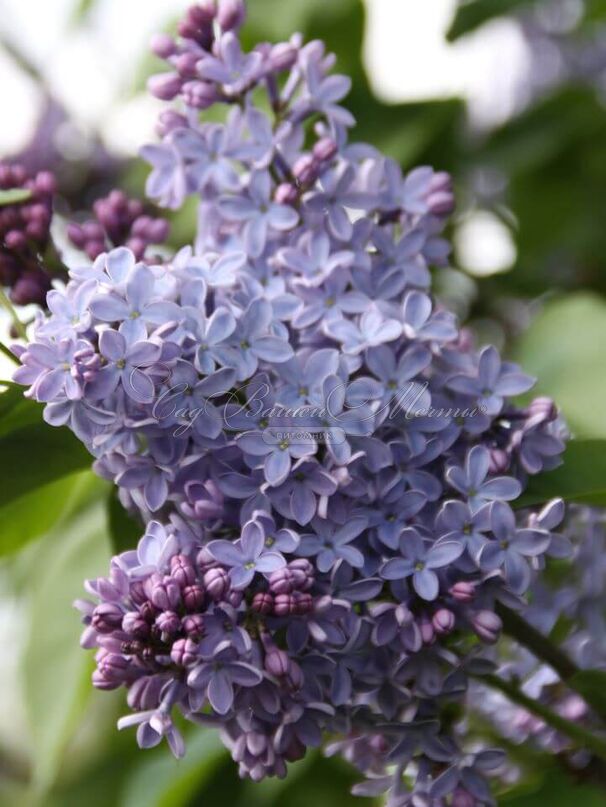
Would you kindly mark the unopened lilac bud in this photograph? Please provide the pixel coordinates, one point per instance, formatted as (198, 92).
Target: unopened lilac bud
(231, 14)
(216, 583)
(487, 625)
(286, 194)
(305, 169)
(542, 408)
(282, 56)
(443, 621)
(114, 668)
(15, 240)
(262, 603)
(182, 570)
(185, 64)
(303, 574)
(163, 45)
(498, 461)
(325, 149)
(193, 625)
(166, 595)
(282, 581)
(135, 625)
(101, 682)
(193, 597)
(463, 591)
(168, 121)
(277, 662)
(148, 611)
(168, 623)
(234, 598)
(184, 652)
(199, 94)
(46, 183)
(440, 197)
(428, 634)
(462, 798)
(137, 592)
(107, 617)
(165, 86)
(204, 560)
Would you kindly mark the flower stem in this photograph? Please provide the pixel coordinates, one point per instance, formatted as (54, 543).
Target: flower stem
(538, 644)
(8, 353)
(6, 303)
(575, 732)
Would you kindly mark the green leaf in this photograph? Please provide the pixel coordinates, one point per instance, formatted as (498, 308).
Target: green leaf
(55, 668)
(557, 790)
(37, 454)
(31, 516)
(475, 13)
(564, 349)
(161, 781)
(581, 477)
(592, 686)
(124, 530)
(14, 196)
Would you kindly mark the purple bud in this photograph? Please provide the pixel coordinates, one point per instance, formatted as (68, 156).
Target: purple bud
(543, 409)
(282, 56)
(168, 623)
(107, 617)
(262, 603)
(305, 169)
(163, 45)
(463, 591)
(499, 461)
(427, 631)
(277, 662)
(199, 94)
(325, 149)
(487, 625)
(135, 625)
(182, 570)
(114, 668)
(184, 652)
(440, 197)
(165, 86)
(168, 121)
(462, 798)
(166, 594)
(286, 194)
(193, 597)
(193, 625)
(443, 621)
(216, 583)
(231, 14)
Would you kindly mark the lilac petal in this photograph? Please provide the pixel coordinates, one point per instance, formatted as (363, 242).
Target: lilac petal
(109, 308)
(241, 577)
(252, 540)
(221, 324)
(282, 217)
(225, 552)
(253, 443)
(272, 349)
(502, 487)
(220, 692)
(351, 555)
(244, 674)
(255, 236)
(147, 737)
(477, 466)
(269, 562)
(112, 345)
(445, 783)
(531, 542)
(138, 386)
(302, 505)
(442, 554)
(426, 584)
(277, 467)
(396, 569)
(50, 385)
(156, 491)
(138, 287)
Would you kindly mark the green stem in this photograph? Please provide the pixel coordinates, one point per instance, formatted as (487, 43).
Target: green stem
(6, 303)
(538, 644)
(8, 353)
(575, 732)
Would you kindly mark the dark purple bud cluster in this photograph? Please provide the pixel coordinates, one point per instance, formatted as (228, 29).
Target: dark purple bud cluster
(24, 233)
(119, 221)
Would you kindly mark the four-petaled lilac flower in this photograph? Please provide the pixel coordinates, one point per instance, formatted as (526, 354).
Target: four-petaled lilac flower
(511, 547)
(373, 329)
(217, 675)
(456, 521)
(471, 480)
(421, 322)
(296, 498)
(231, 68)
(258, 213)
(124, 366)
(329, 544)
(138, 307)
(495, 380)
(420, 560)
(313, 259)
(247, 556)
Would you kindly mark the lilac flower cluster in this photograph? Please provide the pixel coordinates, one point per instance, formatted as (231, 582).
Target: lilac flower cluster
(119, 221)
(324, 464)
(24, 232)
